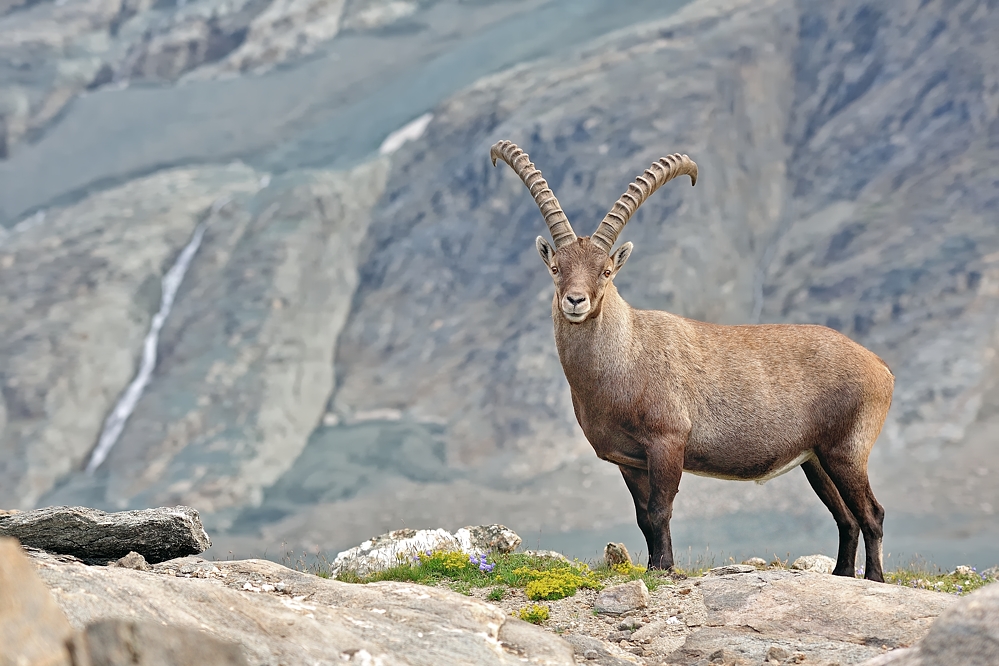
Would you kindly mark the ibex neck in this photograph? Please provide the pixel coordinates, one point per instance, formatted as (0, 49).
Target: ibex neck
(597, 346)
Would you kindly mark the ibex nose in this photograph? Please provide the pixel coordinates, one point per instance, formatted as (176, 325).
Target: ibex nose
(575, 306)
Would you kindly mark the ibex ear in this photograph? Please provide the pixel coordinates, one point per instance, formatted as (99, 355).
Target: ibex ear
(545, 250)
(621, 255)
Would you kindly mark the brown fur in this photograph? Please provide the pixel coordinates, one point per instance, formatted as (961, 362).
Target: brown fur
(659, 394)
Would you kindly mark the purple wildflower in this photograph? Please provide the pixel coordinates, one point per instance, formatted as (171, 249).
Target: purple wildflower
(481, 562)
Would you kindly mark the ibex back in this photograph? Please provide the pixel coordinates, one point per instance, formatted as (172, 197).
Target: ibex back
(659, 394)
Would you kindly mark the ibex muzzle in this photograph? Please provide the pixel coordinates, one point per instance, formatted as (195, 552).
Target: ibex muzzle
(660, 394)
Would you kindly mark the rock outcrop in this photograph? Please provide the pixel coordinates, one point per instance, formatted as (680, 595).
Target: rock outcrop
(623, 598)
(153, 534)
(277, 615)
(388, 550)
(33, 630)
(256, 612)
(746, 619)
(826, 618)
(966, 633)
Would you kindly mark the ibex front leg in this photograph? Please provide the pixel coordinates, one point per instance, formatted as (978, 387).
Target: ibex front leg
(665, 457)
(637, 480)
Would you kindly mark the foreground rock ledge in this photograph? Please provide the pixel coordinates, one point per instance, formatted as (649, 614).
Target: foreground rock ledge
(967, 633)
(281, 616)
(278, 615)
(826, 619)
(92, 535)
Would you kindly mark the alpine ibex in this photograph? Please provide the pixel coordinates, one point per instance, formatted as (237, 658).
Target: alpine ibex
(659, 394)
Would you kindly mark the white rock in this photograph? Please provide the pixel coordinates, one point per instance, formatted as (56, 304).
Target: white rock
(400, 546)
(391, 549)
(547, 553)
(816, 563)
(478, 539)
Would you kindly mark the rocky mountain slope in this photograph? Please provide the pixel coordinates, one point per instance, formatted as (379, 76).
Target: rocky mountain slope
(366, 341)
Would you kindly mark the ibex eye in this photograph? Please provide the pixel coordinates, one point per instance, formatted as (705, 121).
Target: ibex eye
(607, 273)
(554, 270)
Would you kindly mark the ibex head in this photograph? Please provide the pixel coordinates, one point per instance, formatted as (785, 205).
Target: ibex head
(583, 267)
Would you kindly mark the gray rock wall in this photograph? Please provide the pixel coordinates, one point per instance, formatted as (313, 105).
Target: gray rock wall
(246, 363)
(78, 288)
(352, 346)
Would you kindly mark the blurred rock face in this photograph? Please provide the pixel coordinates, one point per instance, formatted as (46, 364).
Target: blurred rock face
(52, 51)
(847, 175)
(390, 324)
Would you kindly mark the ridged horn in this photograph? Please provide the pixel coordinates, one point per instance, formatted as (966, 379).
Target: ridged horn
(657, 175)
(520, 162)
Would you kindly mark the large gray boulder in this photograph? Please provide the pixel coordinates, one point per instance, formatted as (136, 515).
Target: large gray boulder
(33, 630)
(90, 534)
(825, 618)
(278, 615)
(967, 634)
(119, 642)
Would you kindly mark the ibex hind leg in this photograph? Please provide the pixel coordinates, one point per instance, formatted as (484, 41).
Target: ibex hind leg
(849, 528)
(846, 465)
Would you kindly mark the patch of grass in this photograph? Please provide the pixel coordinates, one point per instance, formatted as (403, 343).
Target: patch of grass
(921, 576)
(624, 572)
(541, 577)
(535, 614)
(546, 578)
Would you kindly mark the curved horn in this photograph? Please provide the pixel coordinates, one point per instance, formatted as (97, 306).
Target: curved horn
(520, 162)
(657, 175)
